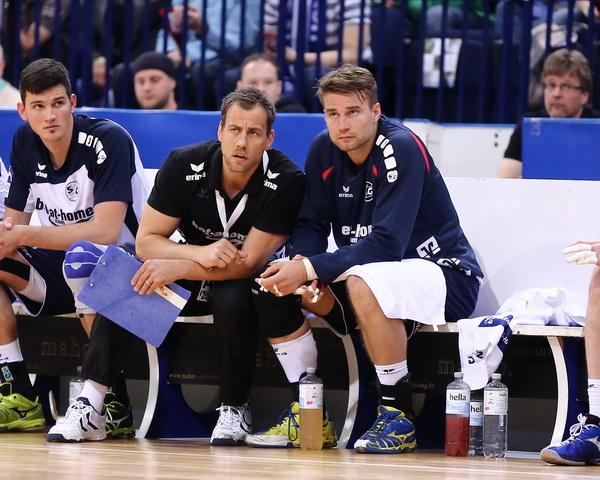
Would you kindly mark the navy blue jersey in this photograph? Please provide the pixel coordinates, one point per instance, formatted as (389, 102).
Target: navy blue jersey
(393, 206)
(102, 165)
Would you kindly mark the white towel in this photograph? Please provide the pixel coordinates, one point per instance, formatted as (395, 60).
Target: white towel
(543, 306)
(482, 340)
(481, 344)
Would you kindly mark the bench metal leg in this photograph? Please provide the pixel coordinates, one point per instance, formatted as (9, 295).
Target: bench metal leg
(562, 382)
(353, 389)
(167, 414)
(153, 379)
(566, 361)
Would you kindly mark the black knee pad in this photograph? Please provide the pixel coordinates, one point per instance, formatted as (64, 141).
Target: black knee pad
(277, 316)
(230, 297)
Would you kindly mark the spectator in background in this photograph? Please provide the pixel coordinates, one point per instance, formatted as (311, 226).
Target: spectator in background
(47, 28)
(154, 81)
(261, 71)
(567, 82)
(350, 34)
(138, 21)
(9, 95)
(206, 33)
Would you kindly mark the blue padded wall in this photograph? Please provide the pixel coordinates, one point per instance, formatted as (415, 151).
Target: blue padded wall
(157, 133)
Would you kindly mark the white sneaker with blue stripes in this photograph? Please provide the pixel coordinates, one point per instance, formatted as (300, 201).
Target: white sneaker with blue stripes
(82, 422)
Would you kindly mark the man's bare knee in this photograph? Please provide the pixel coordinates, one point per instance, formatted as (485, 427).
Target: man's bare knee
(357, 288)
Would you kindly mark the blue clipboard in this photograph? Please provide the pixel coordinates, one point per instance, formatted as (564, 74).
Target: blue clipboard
(109, 292)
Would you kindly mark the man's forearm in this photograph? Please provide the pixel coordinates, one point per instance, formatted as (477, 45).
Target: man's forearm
(157, 246)
(191, 270)
(61, 237)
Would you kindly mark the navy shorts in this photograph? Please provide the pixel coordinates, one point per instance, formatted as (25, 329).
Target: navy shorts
(58, 297)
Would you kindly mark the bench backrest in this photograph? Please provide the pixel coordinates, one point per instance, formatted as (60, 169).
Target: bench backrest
(518, 229)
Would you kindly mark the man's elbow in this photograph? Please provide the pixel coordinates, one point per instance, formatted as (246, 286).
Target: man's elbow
(141, 247)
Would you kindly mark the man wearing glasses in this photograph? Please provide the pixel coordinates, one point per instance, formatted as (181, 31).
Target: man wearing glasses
(567, 83)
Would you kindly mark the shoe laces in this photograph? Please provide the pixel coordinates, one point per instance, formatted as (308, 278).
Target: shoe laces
(578, 428)
(230, 417)
(75, 410)
(292, 424)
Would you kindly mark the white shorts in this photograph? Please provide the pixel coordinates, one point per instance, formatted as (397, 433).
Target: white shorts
(413, 289)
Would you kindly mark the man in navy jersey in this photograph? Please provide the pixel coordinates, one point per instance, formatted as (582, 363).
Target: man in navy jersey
(402, 256)
(83, 178)
(235, 202)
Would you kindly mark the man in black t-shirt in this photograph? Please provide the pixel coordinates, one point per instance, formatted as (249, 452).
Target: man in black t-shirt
(235, 202)
(567, 83)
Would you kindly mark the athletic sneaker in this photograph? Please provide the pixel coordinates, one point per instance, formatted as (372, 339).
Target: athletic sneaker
(233, 425)
(392, 432)
(286, 432)
(81, 422)
(18, 413)
(581, 448)
(119, 419)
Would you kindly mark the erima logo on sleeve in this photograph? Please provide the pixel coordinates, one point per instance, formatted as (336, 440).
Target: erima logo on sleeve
(95, 143)
(388, 158)
(198, 172)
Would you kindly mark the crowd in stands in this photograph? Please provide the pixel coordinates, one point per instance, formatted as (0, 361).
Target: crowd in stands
(208, 41)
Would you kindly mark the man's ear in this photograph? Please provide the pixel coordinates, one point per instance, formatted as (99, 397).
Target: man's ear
(270, 139)
(220, 130)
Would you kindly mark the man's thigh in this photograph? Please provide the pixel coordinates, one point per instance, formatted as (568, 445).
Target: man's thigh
(412, 289)
(46, 283)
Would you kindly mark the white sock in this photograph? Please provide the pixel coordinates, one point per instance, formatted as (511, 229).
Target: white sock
(594, 396)
(95, 393)
(390, 374)
(297, 355)
(11, 352)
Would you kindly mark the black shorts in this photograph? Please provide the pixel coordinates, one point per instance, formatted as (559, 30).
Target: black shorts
(58, 297)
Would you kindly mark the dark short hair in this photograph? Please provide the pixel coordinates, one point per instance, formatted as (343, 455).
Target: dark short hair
(154, 61)
(42, 74)
(564, 61)
(248, 98)
(349, 79)
(265, 57)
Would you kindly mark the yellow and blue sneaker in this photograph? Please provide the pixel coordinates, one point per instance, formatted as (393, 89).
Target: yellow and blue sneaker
(581, 448)
(286, 432)
(392, 432)
(19, 413)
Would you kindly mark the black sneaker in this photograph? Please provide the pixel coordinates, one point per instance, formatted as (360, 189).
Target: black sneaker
(119, 419)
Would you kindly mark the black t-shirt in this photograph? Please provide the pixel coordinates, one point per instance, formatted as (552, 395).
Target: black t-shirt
(515, 144)
(186, 186)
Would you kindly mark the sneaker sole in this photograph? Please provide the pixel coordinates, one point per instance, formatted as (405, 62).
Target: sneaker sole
(550, 456)
(23, 425)
(227, 442)
(406, 449)
(120, 433)
(58, 438)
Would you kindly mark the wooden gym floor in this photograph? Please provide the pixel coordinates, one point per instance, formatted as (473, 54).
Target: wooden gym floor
(29, 456)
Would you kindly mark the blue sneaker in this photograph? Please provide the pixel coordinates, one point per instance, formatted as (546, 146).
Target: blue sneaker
(581, 448)
(392, 432)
